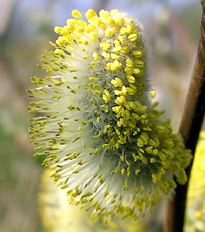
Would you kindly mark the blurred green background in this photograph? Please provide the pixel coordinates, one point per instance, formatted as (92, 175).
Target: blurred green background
(26, 27)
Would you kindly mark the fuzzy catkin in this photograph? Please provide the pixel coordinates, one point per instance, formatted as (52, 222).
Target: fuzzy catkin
(100, 130)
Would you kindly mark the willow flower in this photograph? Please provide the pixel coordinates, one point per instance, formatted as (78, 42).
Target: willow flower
(196, 192)
(60, 216)
(100, 129)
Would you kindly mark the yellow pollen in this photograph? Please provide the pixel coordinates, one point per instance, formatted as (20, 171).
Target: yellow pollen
(90, 14)
(95, 56)
(105, 46)
(93, 36)
(106, 55)
(90, 28)
(106, 96)
(120, 100)
(117, 82)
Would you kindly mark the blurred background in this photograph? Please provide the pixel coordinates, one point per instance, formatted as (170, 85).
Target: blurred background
(26, 27)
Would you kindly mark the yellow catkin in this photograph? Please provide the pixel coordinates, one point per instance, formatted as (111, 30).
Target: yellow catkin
(98, 125)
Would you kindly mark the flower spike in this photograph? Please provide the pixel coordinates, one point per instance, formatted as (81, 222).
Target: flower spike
(196, 191)
(99, 129)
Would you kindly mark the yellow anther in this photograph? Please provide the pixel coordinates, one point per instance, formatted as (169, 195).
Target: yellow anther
(133, 37)
(129, 21)
(90, 28)
(93, 18)
(149, 149)
(123, 31)
(121, 39)
(120, 122)
(152, 160)
(140, 142)
(117, 82)
(80, 29)
(58, 30)
(161, 129)
(125, 50)
(82, 23)
(131, 79)
(141, 109)
(129, 70)
(137, 172)
(123, 171)
(129, 105)
(103, 26)
(114, 11)
(168, 143)
(70, 28)
(139, 63)
(114, 56)
(152, 95)
(122, 139)
(106, 96)
(92, 78)
(105, 46)
(110, 31)
(116, 43)
(120, 100)
(85, 42)
(132, 89)
(154, 178)
(137, 54)
(93, 36)
(162, 156)
(144, 137)
(105, 146)
(71, 21)
(127, 114)
(85, 57)
(110, 21)
(97, 92)
(113, 66)
(116, 49)
(117, 64)
(116, 109)
(129, 62)
(123, 92)
(130, 29)
(106, 55)
(104, 14)
(136, 71)
(76, 14)
(90, 14)
(95, 56)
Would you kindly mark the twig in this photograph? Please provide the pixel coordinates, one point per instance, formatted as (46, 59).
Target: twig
(189, 132)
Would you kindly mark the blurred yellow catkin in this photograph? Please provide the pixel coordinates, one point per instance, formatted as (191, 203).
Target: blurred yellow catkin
(196, 192)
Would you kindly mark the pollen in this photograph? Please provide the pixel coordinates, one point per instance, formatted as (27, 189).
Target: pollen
(76, 14)
(110, 148)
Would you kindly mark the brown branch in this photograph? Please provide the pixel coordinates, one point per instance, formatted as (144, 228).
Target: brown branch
(189, 132)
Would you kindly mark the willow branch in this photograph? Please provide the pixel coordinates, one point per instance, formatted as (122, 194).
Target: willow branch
(189, 131)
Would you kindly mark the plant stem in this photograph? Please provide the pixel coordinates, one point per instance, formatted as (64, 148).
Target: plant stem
(189, 132)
